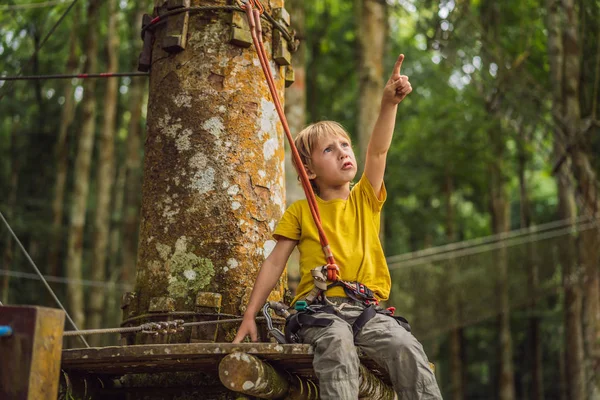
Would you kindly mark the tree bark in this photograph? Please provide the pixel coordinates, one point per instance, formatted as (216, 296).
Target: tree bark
(574, 351)
(62, 156)
(82, 172)
(105, 176)
(213, 185)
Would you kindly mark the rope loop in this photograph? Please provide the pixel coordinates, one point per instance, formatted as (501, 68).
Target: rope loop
(252, 3)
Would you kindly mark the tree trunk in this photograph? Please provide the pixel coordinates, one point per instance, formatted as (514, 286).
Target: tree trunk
(586, 189)
(213, 185)
(295, 99)
(133, 174)
(534, 356)
(575, 375)
(13, 185)
(105, 177)
(372, 33)
(62, 157)
(82, 172)
(500, 211)
(457, 375)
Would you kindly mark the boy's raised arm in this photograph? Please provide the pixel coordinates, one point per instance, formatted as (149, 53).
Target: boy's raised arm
(396, 89)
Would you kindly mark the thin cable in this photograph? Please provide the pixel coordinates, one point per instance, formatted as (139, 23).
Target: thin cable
(485, 240)
(534, 237)
(40, 275)
(71, 76)
(33, 5)
(7, 88)
(67, 281)
(148, 327)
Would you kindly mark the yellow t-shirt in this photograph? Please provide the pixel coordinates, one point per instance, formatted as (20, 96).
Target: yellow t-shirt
(352, 228)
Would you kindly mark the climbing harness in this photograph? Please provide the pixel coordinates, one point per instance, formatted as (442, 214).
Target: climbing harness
(302, 315)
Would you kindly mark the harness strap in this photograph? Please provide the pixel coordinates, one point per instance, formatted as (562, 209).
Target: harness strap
(356, 291)
(295, 322)
(367, 314)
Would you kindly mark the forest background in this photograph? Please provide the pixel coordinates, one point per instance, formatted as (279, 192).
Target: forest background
(490, 226)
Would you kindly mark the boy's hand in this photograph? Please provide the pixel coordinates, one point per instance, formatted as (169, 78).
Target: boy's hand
(398, 86)
(248, 327)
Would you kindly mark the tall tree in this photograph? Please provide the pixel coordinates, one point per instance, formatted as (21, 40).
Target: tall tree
(82, 170)
(499, 204)
(133, 165)
(457, 376)
(534, 346)
(587, 183)
(105, 174)
(574, 348)
(62, 154)
(372, 33)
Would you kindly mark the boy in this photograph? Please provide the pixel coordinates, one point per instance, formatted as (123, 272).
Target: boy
(350, 218)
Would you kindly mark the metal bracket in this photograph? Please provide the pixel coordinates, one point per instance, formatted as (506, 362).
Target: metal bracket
(281, 53)
(177, 27)
(240, 30)
(145, 59)
(290, 76)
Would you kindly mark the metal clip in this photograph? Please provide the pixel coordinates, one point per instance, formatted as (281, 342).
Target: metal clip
(277, 334)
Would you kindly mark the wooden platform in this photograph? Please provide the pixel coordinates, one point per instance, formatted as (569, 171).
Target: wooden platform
(197, 357)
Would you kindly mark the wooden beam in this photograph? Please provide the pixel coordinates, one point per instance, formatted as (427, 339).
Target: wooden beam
(31, 355)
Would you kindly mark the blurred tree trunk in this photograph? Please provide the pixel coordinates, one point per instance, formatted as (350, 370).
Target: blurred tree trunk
(534, 358)
(62, 156)
(372, 34)
(11, 202)
(295, 99)
(85, 149)
(574, 352)
(587, 190)
(133, 167)
(105, 177)
(499, 205)
(457, 375)
(500, 213)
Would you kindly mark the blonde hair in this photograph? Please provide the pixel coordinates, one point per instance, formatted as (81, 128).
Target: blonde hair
(307, 139)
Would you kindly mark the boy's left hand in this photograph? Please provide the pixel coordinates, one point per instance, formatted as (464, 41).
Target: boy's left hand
(398, 86)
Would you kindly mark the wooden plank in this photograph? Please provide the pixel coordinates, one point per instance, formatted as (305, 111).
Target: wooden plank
(200, 357)
(31, 355)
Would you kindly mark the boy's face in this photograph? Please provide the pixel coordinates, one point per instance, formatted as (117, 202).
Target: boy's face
(332, 162)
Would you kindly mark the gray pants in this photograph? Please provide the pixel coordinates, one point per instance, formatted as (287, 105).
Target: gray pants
(383, 340)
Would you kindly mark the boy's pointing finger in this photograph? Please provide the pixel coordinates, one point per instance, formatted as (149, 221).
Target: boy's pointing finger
(398, 66)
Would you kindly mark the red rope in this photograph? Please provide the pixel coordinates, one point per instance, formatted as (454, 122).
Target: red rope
(256, 31)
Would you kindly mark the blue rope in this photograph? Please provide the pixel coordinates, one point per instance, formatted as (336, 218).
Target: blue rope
(5, 330)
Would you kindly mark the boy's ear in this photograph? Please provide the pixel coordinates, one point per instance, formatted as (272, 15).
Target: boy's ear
(311, 175)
